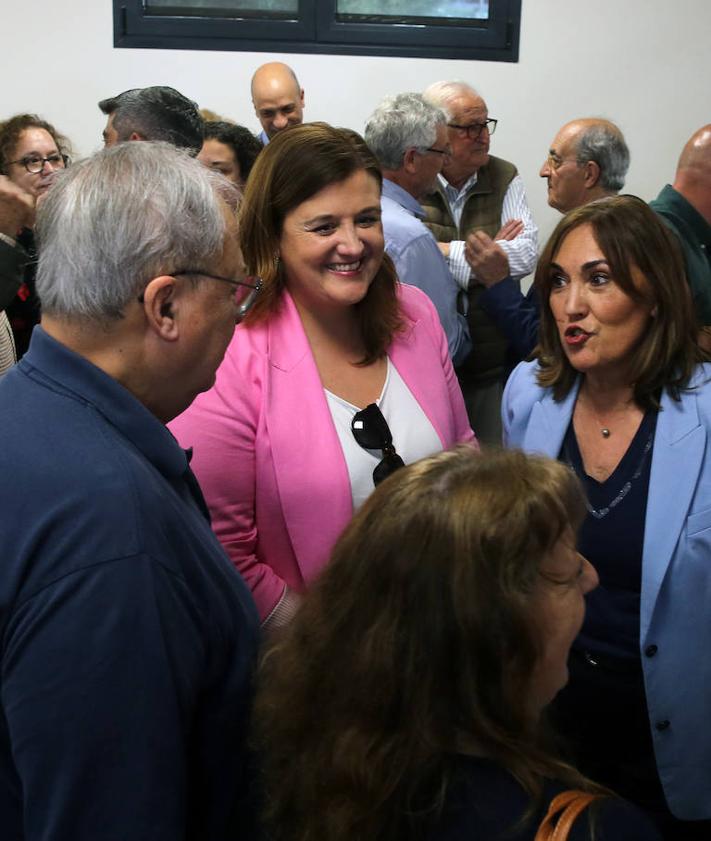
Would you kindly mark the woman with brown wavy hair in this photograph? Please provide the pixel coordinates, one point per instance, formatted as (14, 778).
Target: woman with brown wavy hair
(621, 393)
(337, 375)
(404, 700)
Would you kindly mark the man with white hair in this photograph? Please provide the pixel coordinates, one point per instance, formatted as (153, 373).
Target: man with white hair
(478, 192)
(128, 637)
(409, 139)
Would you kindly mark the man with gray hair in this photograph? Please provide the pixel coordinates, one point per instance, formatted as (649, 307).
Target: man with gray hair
(587, 160)
(409, 139)
(155, 113)
(482, 194)
(128, 637)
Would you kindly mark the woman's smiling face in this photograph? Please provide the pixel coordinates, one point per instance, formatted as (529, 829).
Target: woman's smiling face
(331, 245)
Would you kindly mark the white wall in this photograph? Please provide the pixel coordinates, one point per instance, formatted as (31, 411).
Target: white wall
(644, 63)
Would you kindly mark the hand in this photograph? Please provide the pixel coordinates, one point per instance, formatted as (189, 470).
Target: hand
(510, 230)
(17, 208)
(487, 260)
(444, 248)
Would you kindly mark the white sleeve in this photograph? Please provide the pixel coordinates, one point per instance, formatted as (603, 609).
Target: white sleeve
(522, 251)
(458, 265)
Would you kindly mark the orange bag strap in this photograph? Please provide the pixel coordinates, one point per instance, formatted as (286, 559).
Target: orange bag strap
(569, 804)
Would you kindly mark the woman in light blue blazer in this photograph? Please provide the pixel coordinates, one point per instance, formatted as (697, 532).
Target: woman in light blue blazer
(621, 393)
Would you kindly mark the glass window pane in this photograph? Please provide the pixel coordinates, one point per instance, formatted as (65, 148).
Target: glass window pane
(224, 8)
(408, 9)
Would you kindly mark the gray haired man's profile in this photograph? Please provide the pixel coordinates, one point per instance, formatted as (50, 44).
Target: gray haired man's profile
(155, 113)
(128, 636)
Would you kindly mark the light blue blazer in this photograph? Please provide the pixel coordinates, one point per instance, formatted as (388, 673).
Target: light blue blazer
(676, 571)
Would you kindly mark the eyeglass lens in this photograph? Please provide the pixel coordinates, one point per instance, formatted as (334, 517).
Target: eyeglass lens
(35, 163)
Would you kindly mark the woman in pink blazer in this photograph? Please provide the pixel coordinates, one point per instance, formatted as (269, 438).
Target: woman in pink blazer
(277, 443)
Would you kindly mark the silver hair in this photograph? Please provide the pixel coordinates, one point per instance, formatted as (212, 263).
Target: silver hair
(605, 144)
(114, 221)
(400, 123)
(441, 94)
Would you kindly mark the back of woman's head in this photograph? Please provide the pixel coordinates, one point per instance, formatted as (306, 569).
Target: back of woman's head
(296, 164)
(11, 130)
(417, 642)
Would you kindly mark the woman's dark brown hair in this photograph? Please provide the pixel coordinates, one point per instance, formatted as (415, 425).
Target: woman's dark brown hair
(417, 643)
(11, 130)
(294, 166)
(630, 235)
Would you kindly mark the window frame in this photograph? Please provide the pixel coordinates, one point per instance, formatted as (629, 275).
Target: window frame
(317, 31)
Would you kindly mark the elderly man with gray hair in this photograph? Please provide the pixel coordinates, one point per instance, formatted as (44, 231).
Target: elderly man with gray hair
(409, 139)
(587, 160)
(128, 637)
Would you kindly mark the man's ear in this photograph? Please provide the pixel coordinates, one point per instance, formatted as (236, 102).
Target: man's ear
(592, 173)
(159, 306)
(409, 160)
(136, 136)
(302, 97)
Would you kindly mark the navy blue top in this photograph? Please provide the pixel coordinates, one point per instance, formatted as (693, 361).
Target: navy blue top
(612, 539)
(485, 802)
(516, 315)
(128, 638)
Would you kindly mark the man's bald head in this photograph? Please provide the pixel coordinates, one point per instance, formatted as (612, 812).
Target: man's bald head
(277, 96)
(693, 174)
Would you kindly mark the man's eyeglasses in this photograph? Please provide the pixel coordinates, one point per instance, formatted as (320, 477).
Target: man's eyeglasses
(34, 164)
(474, 130)
(371, 431)
(554, 162)
(246, 291)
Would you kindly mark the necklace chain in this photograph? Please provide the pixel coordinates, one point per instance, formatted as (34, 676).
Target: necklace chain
(599, 513)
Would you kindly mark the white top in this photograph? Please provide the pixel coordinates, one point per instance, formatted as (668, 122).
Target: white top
(414, 437)
(522, 251)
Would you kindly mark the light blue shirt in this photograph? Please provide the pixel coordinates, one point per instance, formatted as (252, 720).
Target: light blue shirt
(420, 263)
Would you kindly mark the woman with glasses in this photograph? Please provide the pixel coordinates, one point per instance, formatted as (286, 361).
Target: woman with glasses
(337, 375)
(620, 392)
(31, 152)
(405, 700)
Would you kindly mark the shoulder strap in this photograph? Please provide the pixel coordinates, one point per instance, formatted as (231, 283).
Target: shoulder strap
(569, 804)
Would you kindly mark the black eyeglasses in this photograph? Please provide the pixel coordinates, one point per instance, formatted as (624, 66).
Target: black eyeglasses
(371, 431)
(245, 291)
(34, 164)
(474, 130)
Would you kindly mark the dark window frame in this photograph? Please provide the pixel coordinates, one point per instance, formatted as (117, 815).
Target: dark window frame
(316, 30)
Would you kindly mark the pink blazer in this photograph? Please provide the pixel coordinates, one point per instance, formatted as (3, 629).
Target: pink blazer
(267, 454)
